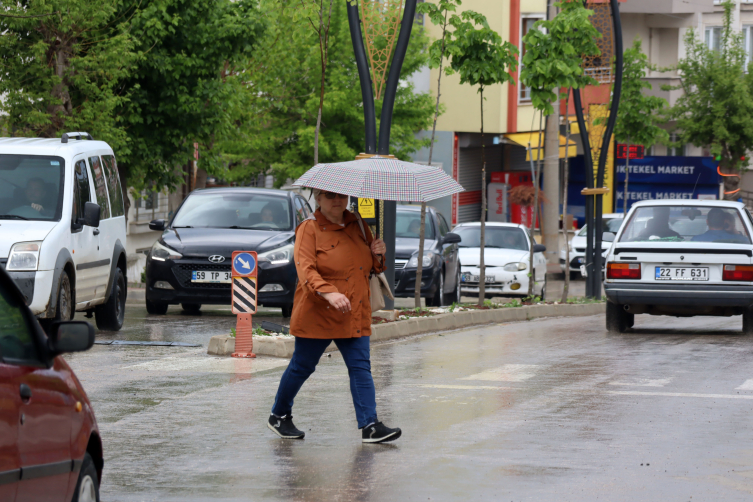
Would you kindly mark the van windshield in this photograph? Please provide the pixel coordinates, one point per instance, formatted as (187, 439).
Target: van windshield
(686, 223)
(31, 187)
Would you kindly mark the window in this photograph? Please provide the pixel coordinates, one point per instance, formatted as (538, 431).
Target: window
(526, 24)
(676, 150)
(235, 210)
(31, 186)
(443, 227)
(494, 237)
(113, 185)
(81, 193)
(408, 225)
(686, 223)
(300, 212)
(16, 335)
(100, 187)
(713, 37)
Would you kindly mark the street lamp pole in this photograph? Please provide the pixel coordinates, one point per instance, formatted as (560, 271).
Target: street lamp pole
(388, 104)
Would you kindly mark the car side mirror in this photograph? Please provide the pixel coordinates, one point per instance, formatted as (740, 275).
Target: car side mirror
(451, 238)
(608, 236)
(157, 225)
(91, 215)
(70, 336)
(539, 248)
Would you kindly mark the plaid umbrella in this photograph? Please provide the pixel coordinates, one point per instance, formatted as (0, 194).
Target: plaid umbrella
(381, 178)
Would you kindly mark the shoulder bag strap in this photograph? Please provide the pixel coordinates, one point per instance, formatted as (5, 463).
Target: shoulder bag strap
(363, 231)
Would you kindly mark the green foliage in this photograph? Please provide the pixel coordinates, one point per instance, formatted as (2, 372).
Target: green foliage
(554, 54)
(62, 63)
(639, 114)
(477, 53)
(439, 14)
(276, 134)
(188, 85)
(716, 108)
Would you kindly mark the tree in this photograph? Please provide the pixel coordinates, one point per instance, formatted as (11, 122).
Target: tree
(280, 92)
(62, 64)
(553, 59)
(716, 108)
(439, 14)
(186, 87)
(479, 56)
(638, 115)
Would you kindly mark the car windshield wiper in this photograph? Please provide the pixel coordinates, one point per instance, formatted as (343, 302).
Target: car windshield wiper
(12, 217)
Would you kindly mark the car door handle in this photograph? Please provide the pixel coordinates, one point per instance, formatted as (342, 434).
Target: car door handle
(25, 392)
(96, 231)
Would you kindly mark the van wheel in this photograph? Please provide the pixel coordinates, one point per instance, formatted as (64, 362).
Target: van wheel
(64, 309)
(748, 321)
(87, 486)
(110, 314)
(193, 308)
(156, 308)
(617, 318)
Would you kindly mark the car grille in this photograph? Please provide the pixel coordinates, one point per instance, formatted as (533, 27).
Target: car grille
(580, 250)
(184, 272)
(400, 263)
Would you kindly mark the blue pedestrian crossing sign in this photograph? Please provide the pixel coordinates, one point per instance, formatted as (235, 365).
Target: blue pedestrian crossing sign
(244, 264)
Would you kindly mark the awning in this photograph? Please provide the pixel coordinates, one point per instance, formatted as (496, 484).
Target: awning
(525, 138)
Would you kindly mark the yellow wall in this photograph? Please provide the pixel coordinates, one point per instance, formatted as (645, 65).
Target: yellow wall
(462, 102)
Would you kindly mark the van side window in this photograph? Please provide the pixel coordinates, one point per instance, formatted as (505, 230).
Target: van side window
(300, 212)
(81, 193)
(100, 187)
(117, 208)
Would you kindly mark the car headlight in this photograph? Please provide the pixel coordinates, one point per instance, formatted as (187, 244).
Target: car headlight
(570, 246)
(278, 256)
(160, 252)
(515, 267)
(24, 256)
(426, 262)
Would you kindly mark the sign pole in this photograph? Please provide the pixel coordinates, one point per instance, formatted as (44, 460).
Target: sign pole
(243, 301)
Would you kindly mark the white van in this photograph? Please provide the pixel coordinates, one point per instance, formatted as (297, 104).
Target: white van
(62, 227)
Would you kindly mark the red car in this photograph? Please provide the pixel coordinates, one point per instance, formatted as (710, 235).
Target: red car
(50, 448)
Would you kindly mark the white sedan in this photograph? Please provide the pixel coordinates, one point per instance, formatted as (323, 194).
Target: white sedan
(681, 258)
(611, 223)
(506, 255)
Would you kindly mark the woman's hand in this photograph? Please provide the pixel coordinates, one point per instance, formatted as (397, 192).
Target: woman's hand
(378, 246)
(338, 300)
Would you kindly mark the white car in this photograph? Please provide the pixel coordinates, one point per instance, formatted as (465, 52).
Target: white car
(611, 223)
(681, 258)
(506, 255)
(62, 226)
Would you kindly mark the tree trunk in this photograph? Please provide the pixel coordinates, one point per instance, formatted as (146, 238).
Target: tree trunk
(565, 222)
(482, 237)
(731, 180)
(422, 231)
(323, 50)
(627, 175)
(537, 174)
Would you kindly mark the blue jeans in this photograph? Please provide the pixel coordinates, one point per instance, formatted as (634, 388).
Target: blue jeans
(308, 351)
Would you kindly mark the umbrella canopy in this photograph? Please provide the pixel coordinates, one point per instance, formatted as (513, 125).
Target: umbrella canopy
(381, 178)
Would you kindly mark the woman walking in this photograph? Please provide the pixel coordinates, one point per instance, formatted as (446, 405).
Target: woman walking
(334, 259)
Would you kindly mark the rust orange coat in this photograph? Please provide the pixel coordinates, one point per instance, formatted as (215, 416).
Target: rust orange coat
(331, 258)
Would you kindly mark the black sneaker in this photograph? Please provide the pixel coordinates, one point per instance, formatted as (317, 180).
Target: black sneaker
(379, 433)
(283, 427)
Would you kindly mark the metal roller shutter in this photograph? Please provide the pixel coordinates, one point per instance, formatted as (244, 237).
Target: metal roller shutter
(469, 177)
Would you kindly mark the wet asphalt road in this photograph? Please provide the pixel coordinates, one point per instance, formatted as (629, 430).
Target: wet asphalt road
(553, 409)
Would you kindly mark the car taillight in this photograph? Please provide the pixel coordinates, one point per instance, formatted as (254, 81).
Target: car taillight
(738, 273)
(623, 270)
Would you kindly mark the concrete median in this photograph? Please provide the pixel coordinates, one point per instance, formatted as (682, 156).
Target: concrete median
(224, 345)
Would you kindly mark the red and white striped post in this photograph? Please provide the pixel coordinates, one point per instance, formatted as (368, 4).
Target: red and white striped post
(243, 300)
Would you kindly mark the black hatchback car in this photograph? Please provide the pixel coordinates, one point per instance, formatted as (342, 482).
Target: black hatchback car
(190, 263)
(440, 278)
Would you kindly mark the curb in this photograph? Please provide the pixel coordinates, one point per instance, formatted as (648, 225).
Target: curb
(224, 345)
